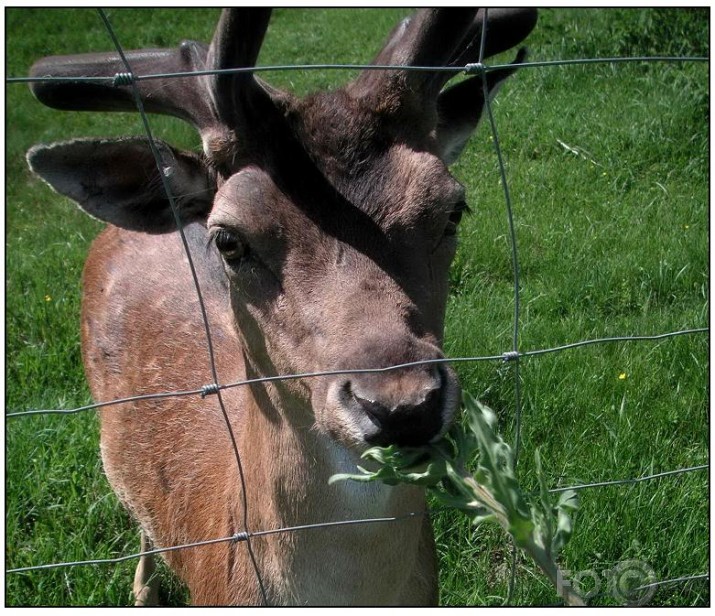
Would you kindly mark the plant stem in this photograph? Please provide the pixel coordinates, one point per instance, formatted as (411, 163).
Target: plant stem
(553, 572)
(537, 552)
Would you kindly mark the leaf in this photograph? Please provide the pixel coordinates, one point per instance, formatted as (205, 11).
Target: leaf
(566, 507)
(343, 476)
(432, 475)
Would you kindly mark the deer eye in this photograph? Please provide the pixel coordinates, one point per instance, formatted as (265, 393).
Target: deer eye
(230, 245)
(455, 218)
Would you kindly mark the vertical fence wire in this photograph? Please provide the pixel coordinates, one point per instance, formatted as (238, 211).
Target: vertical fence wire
(197, 287)
(517, 285)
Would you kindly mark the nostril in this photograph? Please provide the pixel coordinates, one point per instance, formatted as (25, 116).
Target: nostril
(378, 413)
(433, 398)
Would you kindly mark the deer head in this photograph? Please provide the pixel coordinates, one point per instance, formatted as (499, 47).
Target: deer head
(335, 215)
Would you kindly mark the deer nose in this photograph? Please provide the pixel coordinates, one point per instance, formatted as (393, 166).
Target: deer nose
(389, 413)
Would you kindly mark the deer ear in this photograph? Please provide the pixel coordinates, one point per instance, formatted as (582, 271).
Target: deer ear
(460, 107)
(118, 181)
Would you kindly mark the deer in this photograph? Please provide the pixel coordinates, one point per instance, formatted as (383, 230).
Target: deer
(321, 231)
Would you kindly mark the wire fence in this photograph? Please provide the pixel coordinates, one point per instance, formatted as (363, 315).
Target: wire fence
(512, 357)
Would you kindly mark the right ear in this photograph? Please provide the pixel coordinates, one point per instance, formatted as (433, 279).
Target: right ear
(118, 181)
(460, 107)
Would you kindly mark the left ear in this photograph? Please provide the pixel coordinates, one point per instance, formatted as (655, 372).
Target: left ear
(460, 108)
(117, 181)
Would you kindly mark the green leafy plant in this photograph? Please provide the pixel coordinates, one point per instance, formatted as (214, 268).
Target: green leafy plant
(540, 528)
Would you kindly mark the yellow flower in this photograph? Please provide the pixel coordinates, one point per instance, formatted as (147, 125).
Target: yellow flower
(48, 298)
(622, 376)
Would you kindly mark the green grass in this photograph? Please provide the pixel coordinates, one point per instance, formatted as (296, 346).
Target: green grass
(612, 240)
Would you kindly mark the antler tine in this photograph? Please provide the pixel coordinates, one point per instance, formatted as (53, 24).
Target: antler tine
(506, 28)
(438, 37)
(430, 37)
(427, 38)
(236, 44)
(180, 97)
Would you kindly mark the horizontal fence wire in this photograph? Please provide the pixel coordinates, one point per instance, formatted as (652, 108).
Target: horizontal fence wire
(508, 356)
(698, 577)
(680, 580)
(242, 536)
(620, 482)
(318, 525)
(120, 79)
(129, 79)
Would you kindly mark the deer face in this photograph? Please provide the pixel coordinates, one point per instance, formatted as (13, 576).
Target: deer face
(344, 265)
(335, 216)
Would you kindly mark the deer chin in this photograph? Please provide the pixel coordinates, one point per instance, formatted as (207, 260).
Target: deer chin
(350, 419)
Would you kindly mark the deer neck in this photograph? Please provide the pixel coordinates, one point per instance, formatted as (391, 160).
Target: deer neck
(298, 461)
(291, 489)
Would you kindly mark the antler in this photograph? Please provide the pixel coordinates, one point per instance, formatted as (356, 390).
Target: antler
(177, 97)
(236, 43)
(219, 106)
(506, 28)
(441, 37)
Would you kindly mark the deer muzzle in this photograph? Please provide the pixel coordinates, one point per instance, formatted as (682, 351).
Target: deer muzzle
(407, 406)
